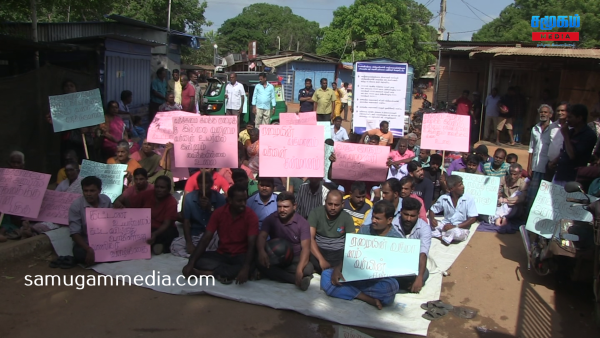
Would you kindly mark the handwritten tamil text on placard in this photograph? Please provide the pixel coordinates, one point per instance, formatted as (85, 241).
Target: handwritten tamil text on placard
(354, 161)
(22, 191)
(484, 190)
(293, 151)
(443, 131)
(112, 176)
(119, 234)
(161, 128)
(55, 207)
(205, 141)
(550, 206)
(369, 257)
(76, 110)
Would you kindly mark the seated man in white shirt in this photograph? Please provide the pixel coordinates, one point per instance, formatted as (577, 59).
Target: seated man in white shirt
(338, 133)
(459, 210)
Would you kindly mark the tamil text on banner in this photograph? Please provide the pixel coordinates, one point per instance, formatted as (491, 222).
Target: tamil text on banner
(118, 234)
(112, 176)
(291, 151)
(370, 257)
(55, 207)
(76, 110)
(360, 162)
(22, 192)
(379, 95)
(326, 128)
(550, 206)
(161, 128)
(205, 141)
(484, 190)
(443, 131)
(305, 119)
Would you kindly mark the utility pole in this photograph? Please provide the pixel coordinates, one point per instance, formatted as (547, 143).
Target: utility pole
(447, 36)
(441, 29)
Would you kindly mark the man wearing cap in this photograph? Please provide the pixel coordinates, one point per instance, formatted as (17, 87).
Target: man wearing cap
(482, 152)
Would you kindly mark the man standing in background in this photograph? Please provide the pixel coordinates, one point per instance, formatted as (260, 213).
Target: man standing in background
(263, 101)
(305, 97)
(197, 88)
(175, 86)
(234, 96)
(324, 100)
(492, 117)
(344, 91)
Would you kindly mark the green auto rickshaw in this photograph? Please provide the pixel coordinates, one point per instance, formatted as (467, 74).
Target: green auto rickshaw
(213, 100)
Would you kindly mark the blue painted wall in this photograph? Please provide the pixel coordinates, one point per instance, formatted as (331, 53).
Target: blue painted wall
(311, 70)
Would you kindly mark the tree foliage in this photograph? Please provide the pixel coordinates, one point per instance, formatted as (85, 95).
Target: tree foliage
(202, 56)
(514, 22)
(264, 22)
(186, 15)
(392, 29)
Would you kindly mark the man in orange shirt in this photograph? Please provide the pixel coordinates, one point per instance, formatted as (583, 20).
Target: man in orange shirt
(386, 138)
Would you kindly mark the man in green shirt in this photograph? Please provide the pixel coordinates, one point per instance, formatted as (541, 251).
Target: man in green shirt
(328, 227)
(324, 99)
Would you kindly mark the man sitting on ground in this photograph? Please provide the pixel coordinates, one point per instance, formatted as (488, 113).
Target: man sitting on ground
(459, 210)
(498, 167)
(198, 207)
(394, 190)
(92, 198)
(328, 227)
(384, 133)
(286, 224)
(219, 183)
(140, 184)
(423, 186)
(435, 174)
(411, 226)
(163, 214)
(357, 205)
(377, 292)
(513, 194)
(472, 165)
(237, 226)
(400, 156)
(311, 195)
(265, 202)
(514, 158)
(70, 156)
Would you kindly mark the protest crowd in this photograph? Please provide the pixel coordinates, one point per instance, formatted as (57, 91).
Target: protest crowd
(239, 226)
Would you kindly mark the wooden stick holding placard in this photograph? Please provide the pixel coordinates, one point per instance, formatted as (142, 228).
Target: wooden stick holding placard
(443, 159)
(87, 155)
(287, 186)
(203, 184)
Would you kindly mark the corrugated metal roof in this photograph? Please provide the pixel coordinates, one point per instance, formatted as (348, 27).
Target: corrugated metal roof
(280, 61)
(548, 52)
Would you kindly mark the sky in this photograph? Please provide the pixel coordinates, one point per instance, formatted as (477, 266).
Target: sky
(461, 20)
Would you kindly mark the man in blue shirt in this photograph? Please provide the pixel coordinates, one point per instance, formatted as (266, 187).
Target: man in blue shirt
(265, 202)
(305, 97)
(263, 101)
(459, 210)
(158, 92)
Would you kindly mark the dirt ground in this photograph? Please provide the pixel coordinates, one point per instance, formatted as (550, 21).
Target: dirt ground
(490, 275)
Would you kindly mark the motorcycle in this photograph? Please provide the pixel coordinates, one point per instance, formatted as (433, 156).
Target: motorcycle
(578, 240)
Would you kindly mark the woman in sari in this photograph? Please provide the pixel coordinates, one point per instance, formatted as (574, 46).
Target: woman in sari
(252, 146)
(156, 163)
(338, 101)
(113, 130)
(72, 183)
(122, 157)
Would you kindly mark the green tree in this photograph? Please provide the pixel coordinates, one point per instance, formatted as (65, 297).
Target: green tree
(514, 22)
(393, 29)
(264, 23)
(202, 56)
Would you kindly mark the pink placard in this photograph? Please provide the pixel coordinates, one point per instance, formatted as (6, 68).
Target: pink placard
(443, 131)
(22, 192)
(55, 207)
(360, 162)
(304, 119)
(119, 234)
(161, 128)
(291, 151)
(205, 141)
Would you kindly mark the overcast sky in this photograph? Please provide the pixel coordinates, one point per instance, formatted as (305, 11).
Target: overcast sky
(460, 21)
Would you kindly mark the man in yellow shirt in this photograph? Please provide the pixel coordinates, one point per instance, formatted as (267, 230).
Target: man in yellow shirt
(244, 136)
(324, 99)
(357, 205)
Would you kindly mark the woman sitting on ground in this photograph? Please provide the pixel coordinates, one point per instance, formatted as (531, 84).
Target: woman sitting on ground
(73, 182)
(112, 130)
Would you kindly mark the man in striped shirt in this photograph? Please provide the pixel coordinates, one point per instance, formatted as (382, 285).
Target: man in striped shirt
(498, 168)
(357, 205)
(328, 227)
(311, 195)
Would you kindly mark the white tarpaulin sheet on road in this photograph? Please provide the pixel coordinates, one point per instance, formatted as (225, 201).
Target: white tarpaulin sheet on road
(404, 316)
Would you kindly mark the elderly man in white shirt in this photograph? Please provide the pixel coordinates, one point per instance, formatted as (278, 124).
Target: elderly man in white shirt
(459, 210)
(539, 145)
(234, 96)
(556, 139)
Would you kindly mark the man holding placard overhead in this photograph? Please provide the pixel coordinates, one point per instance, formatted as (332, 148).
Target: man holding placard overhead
(377, 292)
(459, 210)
